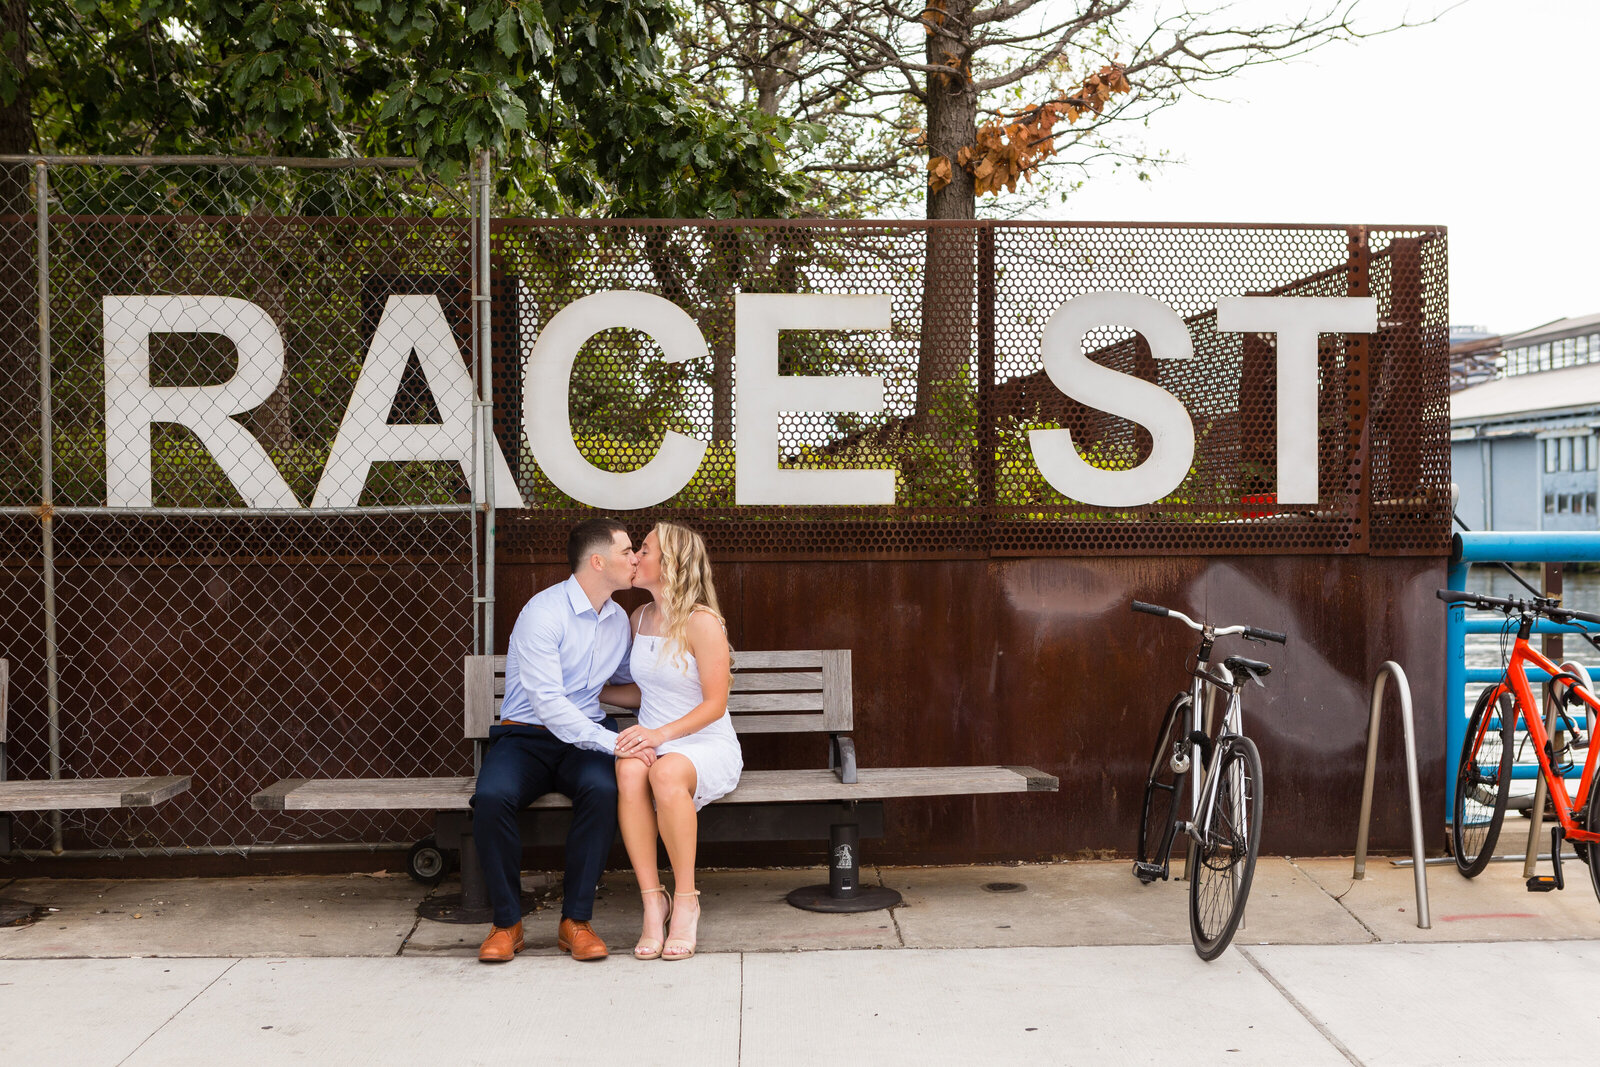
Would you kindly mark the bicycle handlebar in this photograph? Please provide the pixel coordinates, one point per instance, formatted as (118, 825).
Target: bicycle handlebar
(1533, 605)
(1249, 632)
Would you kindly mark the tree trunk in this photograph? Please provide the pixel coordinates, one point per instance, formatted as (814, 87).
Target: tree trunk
(19, 353)
(948, 314)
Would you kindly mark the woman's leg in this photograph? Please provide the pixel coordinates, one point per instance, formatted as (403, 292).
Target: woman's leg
(637, 819)
(672, 781)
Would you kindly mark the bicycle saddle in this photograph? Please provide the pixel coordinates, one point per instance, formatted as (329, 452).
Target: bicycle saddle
(1254, 668)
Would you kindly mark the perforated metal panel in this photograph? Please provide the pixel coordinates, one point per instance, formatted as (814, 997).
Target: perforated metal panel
(964, 381)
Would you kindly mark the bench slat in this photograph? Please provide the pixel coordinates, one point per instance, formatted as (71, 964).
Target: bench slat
(755, 787)
(775, 681)
(68, 793)
(743, 682)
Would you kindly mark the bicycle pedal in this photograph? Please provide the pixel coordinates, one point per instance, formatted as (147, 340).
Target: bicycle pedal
(1542, 883)
(1149, 872)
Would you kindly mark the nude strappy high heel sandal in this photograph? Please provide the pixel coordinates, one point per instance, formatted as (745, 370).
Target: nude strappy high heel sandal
(680, 948)
(650, 948)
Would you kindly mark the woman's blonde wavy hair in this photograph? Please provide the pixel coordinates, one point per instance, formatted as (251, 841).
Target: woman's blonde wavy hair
(685, 585)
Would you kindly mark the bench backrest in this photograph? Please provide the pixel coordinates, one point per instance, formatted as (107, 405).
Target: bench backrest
(773, 692)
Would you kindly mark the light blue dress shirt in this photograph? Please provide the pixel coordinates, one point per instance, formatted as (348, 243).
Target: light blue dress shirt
(560, 654)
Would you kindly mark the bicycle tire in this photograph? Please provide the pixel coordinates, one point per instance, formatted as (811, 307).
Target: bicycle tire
(1219, 881)
(1162, 789)
(1483, 783)
(1592, 822)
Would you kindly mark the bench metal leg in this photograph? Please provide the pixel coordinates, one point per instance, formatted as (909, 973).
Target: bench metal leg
(844, 891)
(471, 905)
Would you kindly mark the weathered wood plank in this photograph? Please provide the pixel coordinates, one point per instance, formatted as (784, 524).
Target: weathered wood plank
(71, 793)
(776, 659)
(836, 709)
(876, 783)
(775, 681)
(479, 707)
(1038, 781)
(740, 703)
(755, 787)
(272, 797)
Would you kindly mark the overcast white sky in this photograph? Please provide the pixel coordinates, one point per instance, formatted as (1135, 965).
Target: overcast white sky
(1485, 122)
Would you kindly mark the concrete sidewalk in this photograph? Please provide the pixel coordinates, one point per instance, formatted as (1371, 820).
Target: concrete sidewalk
(1080, 964)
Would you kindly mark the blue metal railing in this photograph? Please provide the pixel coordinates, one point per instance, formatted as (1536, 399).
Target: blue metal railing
(1496, 546)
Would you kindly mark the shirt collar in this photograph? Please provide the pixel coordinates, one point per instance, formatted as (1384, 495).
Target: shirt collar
(580, 600)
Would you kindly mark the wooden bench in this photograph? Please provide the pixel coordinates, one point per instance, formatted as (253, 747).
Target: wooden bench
(786, 692)
(59, 794)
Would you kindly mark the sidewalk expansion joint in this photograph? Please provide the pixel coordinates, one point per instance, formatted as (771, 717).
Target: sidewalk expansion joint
(894, 916)
(135, 1050)
(1294, 1002)
(1339, 900)
(416, 921)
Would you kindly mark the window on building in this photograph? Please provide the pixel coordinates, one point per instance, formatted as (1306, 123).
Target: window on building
(1563, 503)
(1544, 356)
(1594, 451)
(1549, 503)
(1583, 349)
(1588, 503)
(1565, 462)
(1549, 455)
(1569, 351)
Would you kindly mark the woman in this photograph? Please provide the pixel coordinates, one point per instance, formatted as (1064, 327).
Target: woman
(681, 663)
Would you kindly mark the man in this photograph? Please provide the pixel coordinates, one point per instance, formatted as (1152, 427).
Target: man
(569, 641)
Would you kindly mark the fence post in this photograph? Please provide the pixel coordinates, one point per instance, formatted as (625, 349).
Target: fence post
(485, 402)
(41, 206)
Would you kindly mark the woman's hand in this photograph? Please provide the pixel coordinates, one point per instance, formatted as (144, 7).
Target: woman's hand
(636, 739)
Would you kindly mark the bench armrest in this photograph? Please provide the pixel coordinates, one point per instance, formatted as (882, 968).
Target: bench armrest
(842, 758)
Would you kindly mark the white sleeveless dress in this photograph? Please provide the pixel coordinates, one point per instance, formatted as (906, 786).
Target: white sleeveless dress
(668, 691)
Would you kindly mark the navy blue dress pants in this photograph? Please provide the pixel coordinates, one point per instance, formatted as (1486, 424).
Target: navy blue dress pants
(522, 764)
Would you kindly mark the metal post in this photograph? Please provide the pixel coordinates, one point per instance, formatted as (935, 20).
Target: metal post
(1419, 866)
(1455, 686)
(474, 452)
(1551, 646)
(41, 207)
(486, 397)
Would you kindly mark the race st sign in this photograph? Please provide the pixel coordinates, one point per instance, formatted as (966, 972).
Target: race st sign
(418, 324)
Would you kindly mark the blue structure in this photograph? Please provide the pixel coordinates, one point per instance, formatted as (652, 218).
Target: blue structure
(1493, 547)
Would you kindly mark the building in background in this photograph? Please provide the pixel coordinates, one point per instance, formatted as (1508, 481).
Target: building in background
(1524, 410)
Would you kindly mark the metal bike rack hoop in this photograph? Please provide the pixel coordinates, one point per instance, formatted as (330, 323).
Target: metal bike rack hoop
(1392, 669)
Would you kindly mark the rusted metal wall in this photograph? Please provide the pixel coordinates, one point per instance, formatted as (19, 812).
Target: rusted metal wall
(1039, 661)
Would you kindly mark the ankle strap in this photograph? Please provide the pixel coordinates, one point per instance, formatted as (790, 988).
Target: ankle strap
(652, 889)
(686, 893)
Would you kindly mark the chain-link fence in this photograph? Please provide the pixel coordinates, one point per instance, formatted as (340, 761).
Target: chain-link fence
(255, 558)
(237, 533)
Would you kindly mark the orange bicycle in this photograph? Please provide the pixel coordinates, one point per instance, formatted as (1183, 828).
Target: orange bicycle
(1483, 776)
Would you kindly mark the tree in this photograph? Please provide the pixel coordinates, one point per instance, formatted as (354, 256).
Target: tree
(969, 96)
(571, 95)
(974, 97)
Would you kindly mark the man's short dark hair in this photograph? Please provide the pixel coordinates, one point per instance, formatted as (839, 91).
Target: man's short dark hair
(591, 536)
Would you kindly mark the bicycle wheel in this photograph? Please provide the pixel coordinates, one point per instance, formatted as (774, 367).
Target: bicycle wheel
(1161, 792)
(1483, 782)
(1219, 882)
(1592, 822)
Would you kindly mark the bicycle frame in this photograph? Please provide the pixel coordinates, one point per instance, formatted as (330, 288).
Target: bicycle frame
(1203, 793)
(1516, 679)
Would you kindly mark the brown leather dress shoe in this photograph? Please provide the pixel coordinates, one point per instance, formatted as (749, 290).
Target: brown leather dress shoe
(580, 939)
(502, 943)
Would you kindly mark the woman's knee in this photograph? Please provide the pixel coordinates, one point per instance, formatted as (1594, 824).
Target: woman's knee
(671, 783)
(633, 778)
